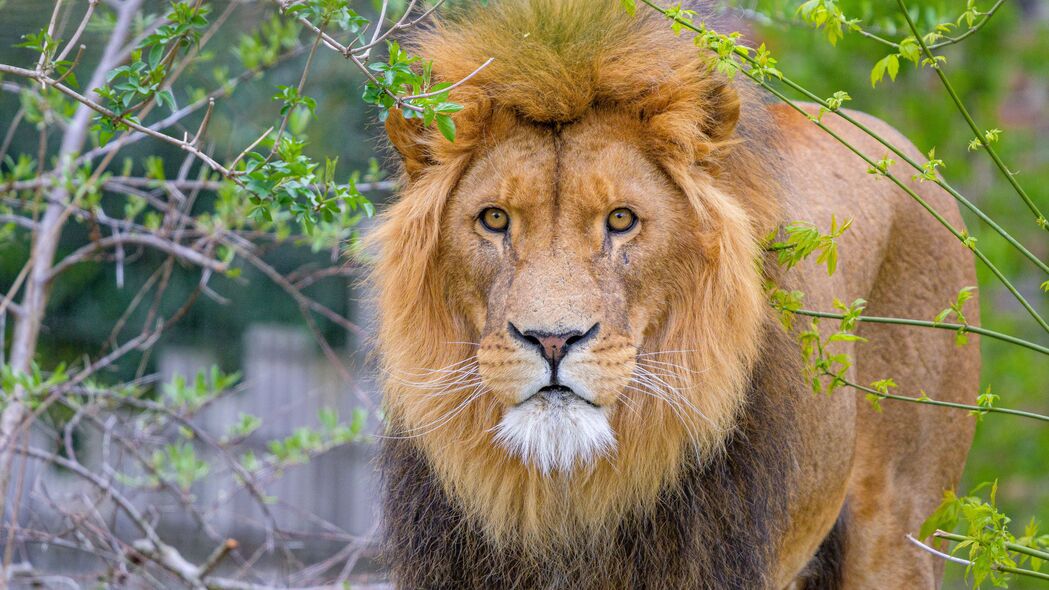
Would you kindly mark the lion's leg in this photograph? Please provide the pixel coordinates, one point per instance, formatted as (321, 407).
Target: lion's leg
(908, 454)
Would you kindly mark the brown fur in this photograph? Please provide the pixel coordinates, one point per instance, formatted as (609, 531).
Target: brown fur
(585, 110)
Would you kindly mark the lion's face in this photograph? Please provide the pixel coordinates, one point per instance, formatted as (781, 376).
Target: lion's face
(559, 242)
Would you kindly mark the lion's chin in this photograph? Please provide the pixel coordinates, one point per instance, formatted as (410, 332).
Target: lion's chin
(555, 430)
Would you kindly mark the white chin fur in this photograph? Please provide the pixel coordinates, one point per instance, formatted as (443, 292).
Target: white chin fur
(556, 432)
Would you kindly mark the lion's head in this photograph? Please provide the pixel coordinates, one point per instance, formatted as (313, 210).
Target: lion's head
(570, 293)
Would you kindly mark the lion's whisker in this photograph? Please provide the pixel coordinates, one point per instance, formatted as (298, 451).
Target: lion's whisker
(442, 420)
(438, 378)
(658, 352)
(631, 405)
(438, 383)
(674, 408)
(690, 406)
(662, 375)
(431, 376)
(673, 365)
(659, 377)
(461, 365)
(459, 388)
(671, 389)
(653, 389)
(660, 393)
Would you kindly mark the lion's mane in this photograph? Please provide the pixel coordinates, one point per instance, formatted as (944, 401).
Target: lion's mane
(556, 61)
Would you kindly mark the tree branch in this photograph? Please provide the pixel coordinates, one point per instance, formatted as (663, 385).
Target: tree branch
(153, 241)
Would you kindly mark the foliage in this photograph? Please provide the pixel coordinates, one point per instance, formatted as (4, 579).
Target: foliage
(992, 550)
(804, 239)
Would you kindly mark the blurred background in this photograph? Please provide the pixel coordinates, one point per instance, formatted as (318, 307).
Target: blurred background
(1002, 73)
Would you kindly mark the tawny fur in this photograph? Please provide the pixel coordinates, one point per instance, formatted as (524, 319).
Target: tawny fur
(585, 107)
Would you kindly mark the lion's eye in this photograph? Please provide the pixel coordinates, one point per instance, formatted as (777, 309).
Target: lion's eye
(495, 219)
(621, 220)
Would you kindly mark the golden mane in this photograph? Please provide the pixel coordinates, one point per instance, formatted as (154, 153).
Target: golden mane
(555, 62)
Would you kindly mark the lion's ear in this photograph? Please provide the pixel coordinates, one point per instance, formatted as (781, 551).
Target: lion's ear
(408, 137)
(723, 103)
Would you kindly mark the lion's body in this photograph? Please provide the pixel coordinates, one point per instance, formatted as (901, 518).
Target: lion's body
(892, 466)
(725, 470)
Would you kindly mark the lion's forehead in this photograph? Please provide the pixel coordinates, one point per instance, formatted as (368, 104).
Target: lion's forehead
(560, 175)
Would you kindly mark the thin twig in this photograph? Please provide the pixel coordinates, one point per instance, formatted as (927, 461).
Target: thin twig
(91, 5)
(933, 402)
(979, 134)
(1012, 546)
(251, 146)
(453, 86)
(927, 324)
(204, 123)
(976, 27)
(400, 24)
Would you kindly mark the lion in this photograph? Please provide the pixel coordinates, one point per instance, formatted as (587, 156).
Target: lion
(585, 385)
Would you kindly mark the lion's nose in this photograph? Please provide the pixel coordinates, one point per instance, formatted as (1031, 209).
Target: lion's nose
(553, 346)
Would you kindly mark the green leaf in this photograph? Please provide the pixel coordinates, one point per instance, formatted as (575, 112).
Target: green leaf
(889, 64)
(447, 127)
(329, 419)
(155, 55)
(910, 50)
(945, 517)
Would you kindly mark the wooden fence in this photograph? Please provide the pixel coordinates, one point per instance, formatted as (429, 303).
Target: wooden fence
(286, 384)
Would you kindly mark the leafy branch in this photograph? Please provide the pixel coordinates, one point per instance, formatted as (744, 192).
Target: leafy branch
(993, 551)
(935, 62)
(730, 57)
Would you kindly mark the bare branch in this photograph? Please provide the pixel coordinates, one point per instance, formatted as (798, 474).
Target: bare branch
(19, 221)
(347, 52)
(153, 241)
(91, 5)
(27, 327)
(120, 183)
(453, 86)
(204, 123)
(378, 29)
(967, 563)
(400, 24)
(247, 150)
(42, 61)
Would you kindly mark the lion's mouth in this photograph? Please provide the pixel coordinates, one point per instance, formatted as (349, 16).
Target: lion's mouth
(557, 396)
